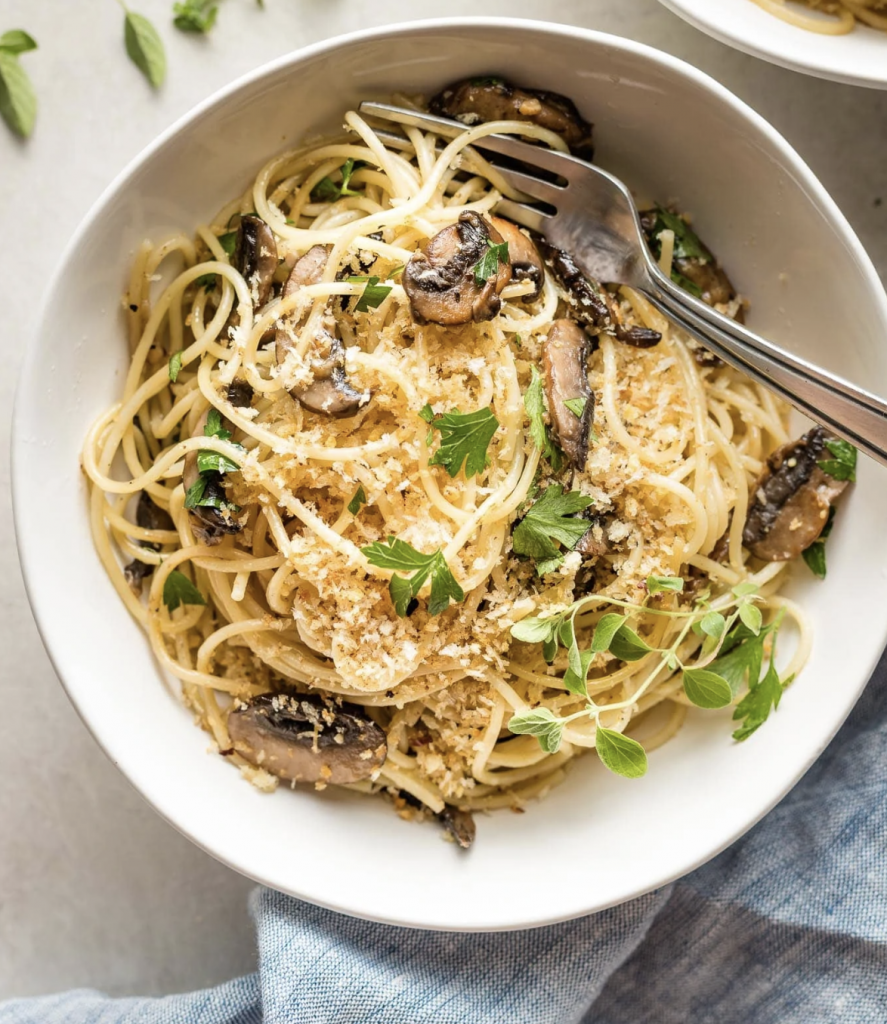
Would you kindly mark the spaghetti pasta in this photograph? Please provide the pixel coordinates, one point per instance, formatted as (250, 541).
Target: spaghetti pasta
(288, 601)
(833, 17)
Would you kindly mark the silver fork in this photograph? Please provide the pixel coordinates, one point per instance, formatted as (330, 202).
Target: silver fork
(595, 219)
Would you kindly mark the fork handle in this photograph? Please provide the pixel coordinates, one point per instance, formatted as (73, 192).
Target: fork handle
(852, 413)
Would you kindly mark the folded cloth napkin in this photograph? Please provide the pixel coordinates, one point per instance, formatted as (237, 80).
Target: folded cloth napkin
(788, 926)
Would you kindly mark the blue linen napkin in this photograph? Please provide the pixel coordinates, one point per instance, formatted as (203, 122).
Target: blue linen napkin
(788, 926)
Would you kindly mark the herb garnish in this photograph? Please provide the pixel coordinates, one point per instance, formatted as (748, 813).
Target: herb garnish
(178, 589)
(209, 463)
(842, 466)
(736, 641)
(144, 46)
(195, 15)
(360, 498)
(814, 555)
(541, 435)
(687, 245)
(464, 438)
(488, 264)
(402, 557)
(327, 191)
(658, 584)
(576, 406)
(208, 281)
(373, 295)
(228, 242)
(549, 519)
(175, 365)
(18, 102)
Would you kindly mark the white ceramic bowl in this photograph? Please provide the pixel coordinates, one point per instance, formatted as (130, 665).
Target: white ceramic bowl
(858, 58)
(664, 127)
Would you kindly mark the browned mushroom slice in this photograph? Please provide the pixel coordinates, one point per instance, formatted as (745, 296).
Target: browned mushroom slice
(590, 304)
(240, 393)
(441, 283)
(308, 738)
(330, 392)
(593, 544)
(255, 256)
(150, 516)
(477, 100)
(308, 269)
(459, 824)
(526, 263)
(789, 504)
(564, 356)
(215, 519)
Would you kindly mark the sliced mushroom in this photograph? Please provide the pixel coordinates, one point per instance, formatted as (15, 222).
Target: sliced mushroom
(789, 504)
(564, 359)
(330, 392)
(255, 256)
(210, 524)
(477, 100)
(593, 544)
(150, 516)
(590, 304)
(526, 263)
(459, 824)
(308, 738)
(440, 282)
(240, 393)
(308, 269)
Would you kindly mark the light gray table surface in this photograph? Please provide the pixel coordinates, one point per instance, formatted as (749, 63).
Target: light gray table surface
(96, 890)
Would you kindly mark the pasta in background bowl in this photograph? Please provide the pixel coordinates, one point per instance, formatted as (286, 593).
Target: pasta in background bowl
(824, 38)
(339, 849)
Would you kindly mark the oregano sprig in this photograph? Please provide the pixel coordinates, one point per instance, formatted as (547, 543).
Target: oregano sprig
(18, 101)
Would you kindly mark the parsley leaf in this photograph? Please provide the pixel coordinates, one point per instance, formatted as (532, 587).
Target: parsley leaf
(540, 434)
(327, 191)
(621, 754)
(372, 296)
(402, 557)
(488, 264)
(658, 584)
(178, 589)
(175, 365)
(576, 406)
(548, 520)
(207, 281)
(687, 244)
(360, 498)
(464, 437)
(814, 555)
(843, 465)
(195, 15)
(213, 462)
(541, 723)
(228, 242)
(213, 426)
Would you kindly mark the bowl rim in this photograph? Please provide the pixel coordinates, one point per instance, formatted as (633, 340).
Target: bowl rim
(57, 647)
(760, 47)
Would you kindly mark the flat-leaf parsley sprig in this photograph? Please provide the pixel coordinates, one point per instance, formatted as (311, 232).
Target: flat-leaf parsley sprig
(404, 558)
(731, 656)
(464, 439)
